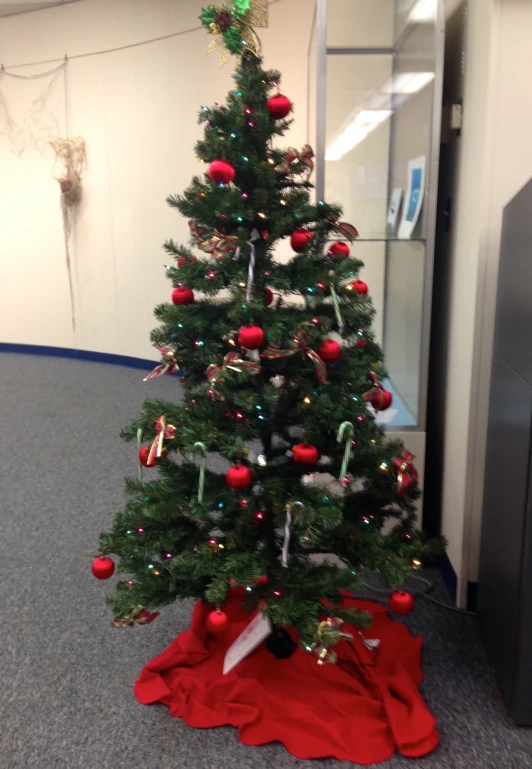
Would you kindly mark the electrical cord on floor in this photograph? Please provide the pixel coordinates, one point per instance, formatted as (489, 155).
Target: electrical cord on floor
(423, 593)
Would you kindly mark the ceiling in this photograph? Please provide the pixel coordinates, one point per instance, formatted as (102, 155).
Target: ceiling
(25, 6)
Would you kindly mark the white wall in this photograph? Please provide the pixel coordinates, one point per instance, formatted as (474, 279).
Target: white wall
(495, 162)
(136, 110)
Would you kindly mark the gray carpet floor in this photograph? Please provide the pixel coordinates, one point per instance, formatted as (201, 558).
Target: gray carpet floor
(66, 676)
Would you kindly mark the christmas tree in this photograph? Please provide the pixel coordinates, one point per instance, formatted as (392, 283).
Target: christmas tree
(279, 388)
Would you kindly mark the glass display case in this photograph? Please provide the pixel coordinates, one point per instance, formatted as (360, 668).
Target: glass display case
(374, 113)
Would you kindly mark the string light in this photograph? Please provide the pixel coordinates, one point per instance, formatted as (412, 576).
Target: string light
(239, 93)
(383, 465)
(248, 589)
(248, 110)
(251, 124)
(360, 418)
(271, 161)
(233, 136)
(261, 214)
(220, 505)
(245, 158)
(168, 555)
(258, 516)
(239, 219)
(140, 531)
(315, 321)
(211, 276)
(276, 593)
(180, 325)
(150, 566)
(283, 202)
(416, 563)
(244, 195)
(306, 400)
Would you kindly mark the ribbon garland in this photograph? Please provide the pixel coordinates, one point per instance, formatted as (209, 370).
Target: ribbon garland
(345, 229)
(168, 366)
(202, 448)
(336, 305)
(376, 389)
(233, 26)
(347, 429)
(251, 271)
(293, 158)
(139, 446)
(301, 340)
(288, 522)
(234, 362)
(162, 431)
(139, 615)
(407, 475)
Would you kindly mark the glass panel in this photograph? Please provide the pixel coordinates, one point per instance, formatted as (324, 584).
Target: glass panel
(312, 86)
(411, 12)
(357, 143)
(360, 23)
(405, 267)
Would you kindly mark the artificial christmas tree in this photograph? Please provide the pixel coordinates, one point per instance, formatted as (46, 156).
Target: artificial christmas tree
(257, 373)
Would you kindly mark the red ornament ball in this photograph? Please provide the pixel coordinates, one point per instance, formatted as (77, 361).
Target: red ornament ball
(182, 295)
(279, 106)
(339, 249)
(217, 622)
(103, 567)
(300, 239)
(329, 351)
(251, 337)
(185, 259)
(268, 295)
(221, 172)
(305, 454)
(144, 454)
(359, 286)
(401, 602)
(239, 477)
(261, 581)
(382, 401)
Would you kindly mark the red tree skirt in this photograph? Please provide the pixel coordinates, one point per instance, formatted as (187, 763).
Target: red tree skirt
(315, 711)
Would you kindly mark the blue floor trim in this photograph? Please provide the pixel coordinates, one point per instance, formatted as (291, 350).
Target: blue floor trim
(448, 575)
(67, 352)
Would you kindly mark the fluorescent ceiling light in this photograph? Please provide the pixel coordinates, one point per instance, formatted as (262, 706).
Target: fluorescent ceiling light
(408, 82)
(364, 123)
(424, 10)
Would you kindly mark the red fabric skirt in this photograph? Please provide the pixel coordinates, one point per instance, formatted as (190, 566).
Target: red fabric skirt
(361, 712)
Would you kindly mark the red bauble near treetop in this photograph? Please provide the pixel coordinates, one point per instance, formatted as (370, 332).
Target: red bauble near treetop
(144, 453)
(339, 249)
(359, 286)
(251, 337)
(103, 567)
(239, 477)
(268, 296)
(221, 172)
(217, 622)
(329, 351)
(279, 106)
(182, 295)
(305, 454)
(382, 401)
(401, 602)
(300, 239)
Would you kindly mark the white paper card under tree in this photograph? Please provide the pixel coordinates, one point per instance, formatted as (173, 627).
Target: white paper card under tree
(253, 634)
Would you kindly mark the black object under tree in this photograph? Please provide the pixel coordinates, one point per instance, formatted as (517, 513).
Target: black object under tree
(170, 544)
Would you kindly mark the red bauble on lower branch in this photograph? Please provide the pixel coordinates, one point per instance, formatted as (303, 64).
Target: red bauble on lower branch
(329, 351)
(182, 295)
(278, 106)
(144, 454)
(382, 400)
(251, 337)
(103, 567)
(305, 454)
(217, 622)
(221, 172)
(239, 477)
(339, 249)
(300, 239)
(401, 602)
(268, 296)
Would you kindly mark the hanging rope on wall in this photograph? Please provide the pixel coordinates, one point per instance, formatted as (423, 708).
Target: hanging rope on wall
(70, 159)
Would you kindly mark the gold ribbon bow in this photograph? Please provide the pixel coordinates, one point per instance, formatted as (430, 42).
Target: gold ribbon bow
(407, 475)
(215, 243)
(375, 390)
(293, 158)
(168, 366)
(231, 17)
(301, 340)
(162, 431)
(234, 362)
